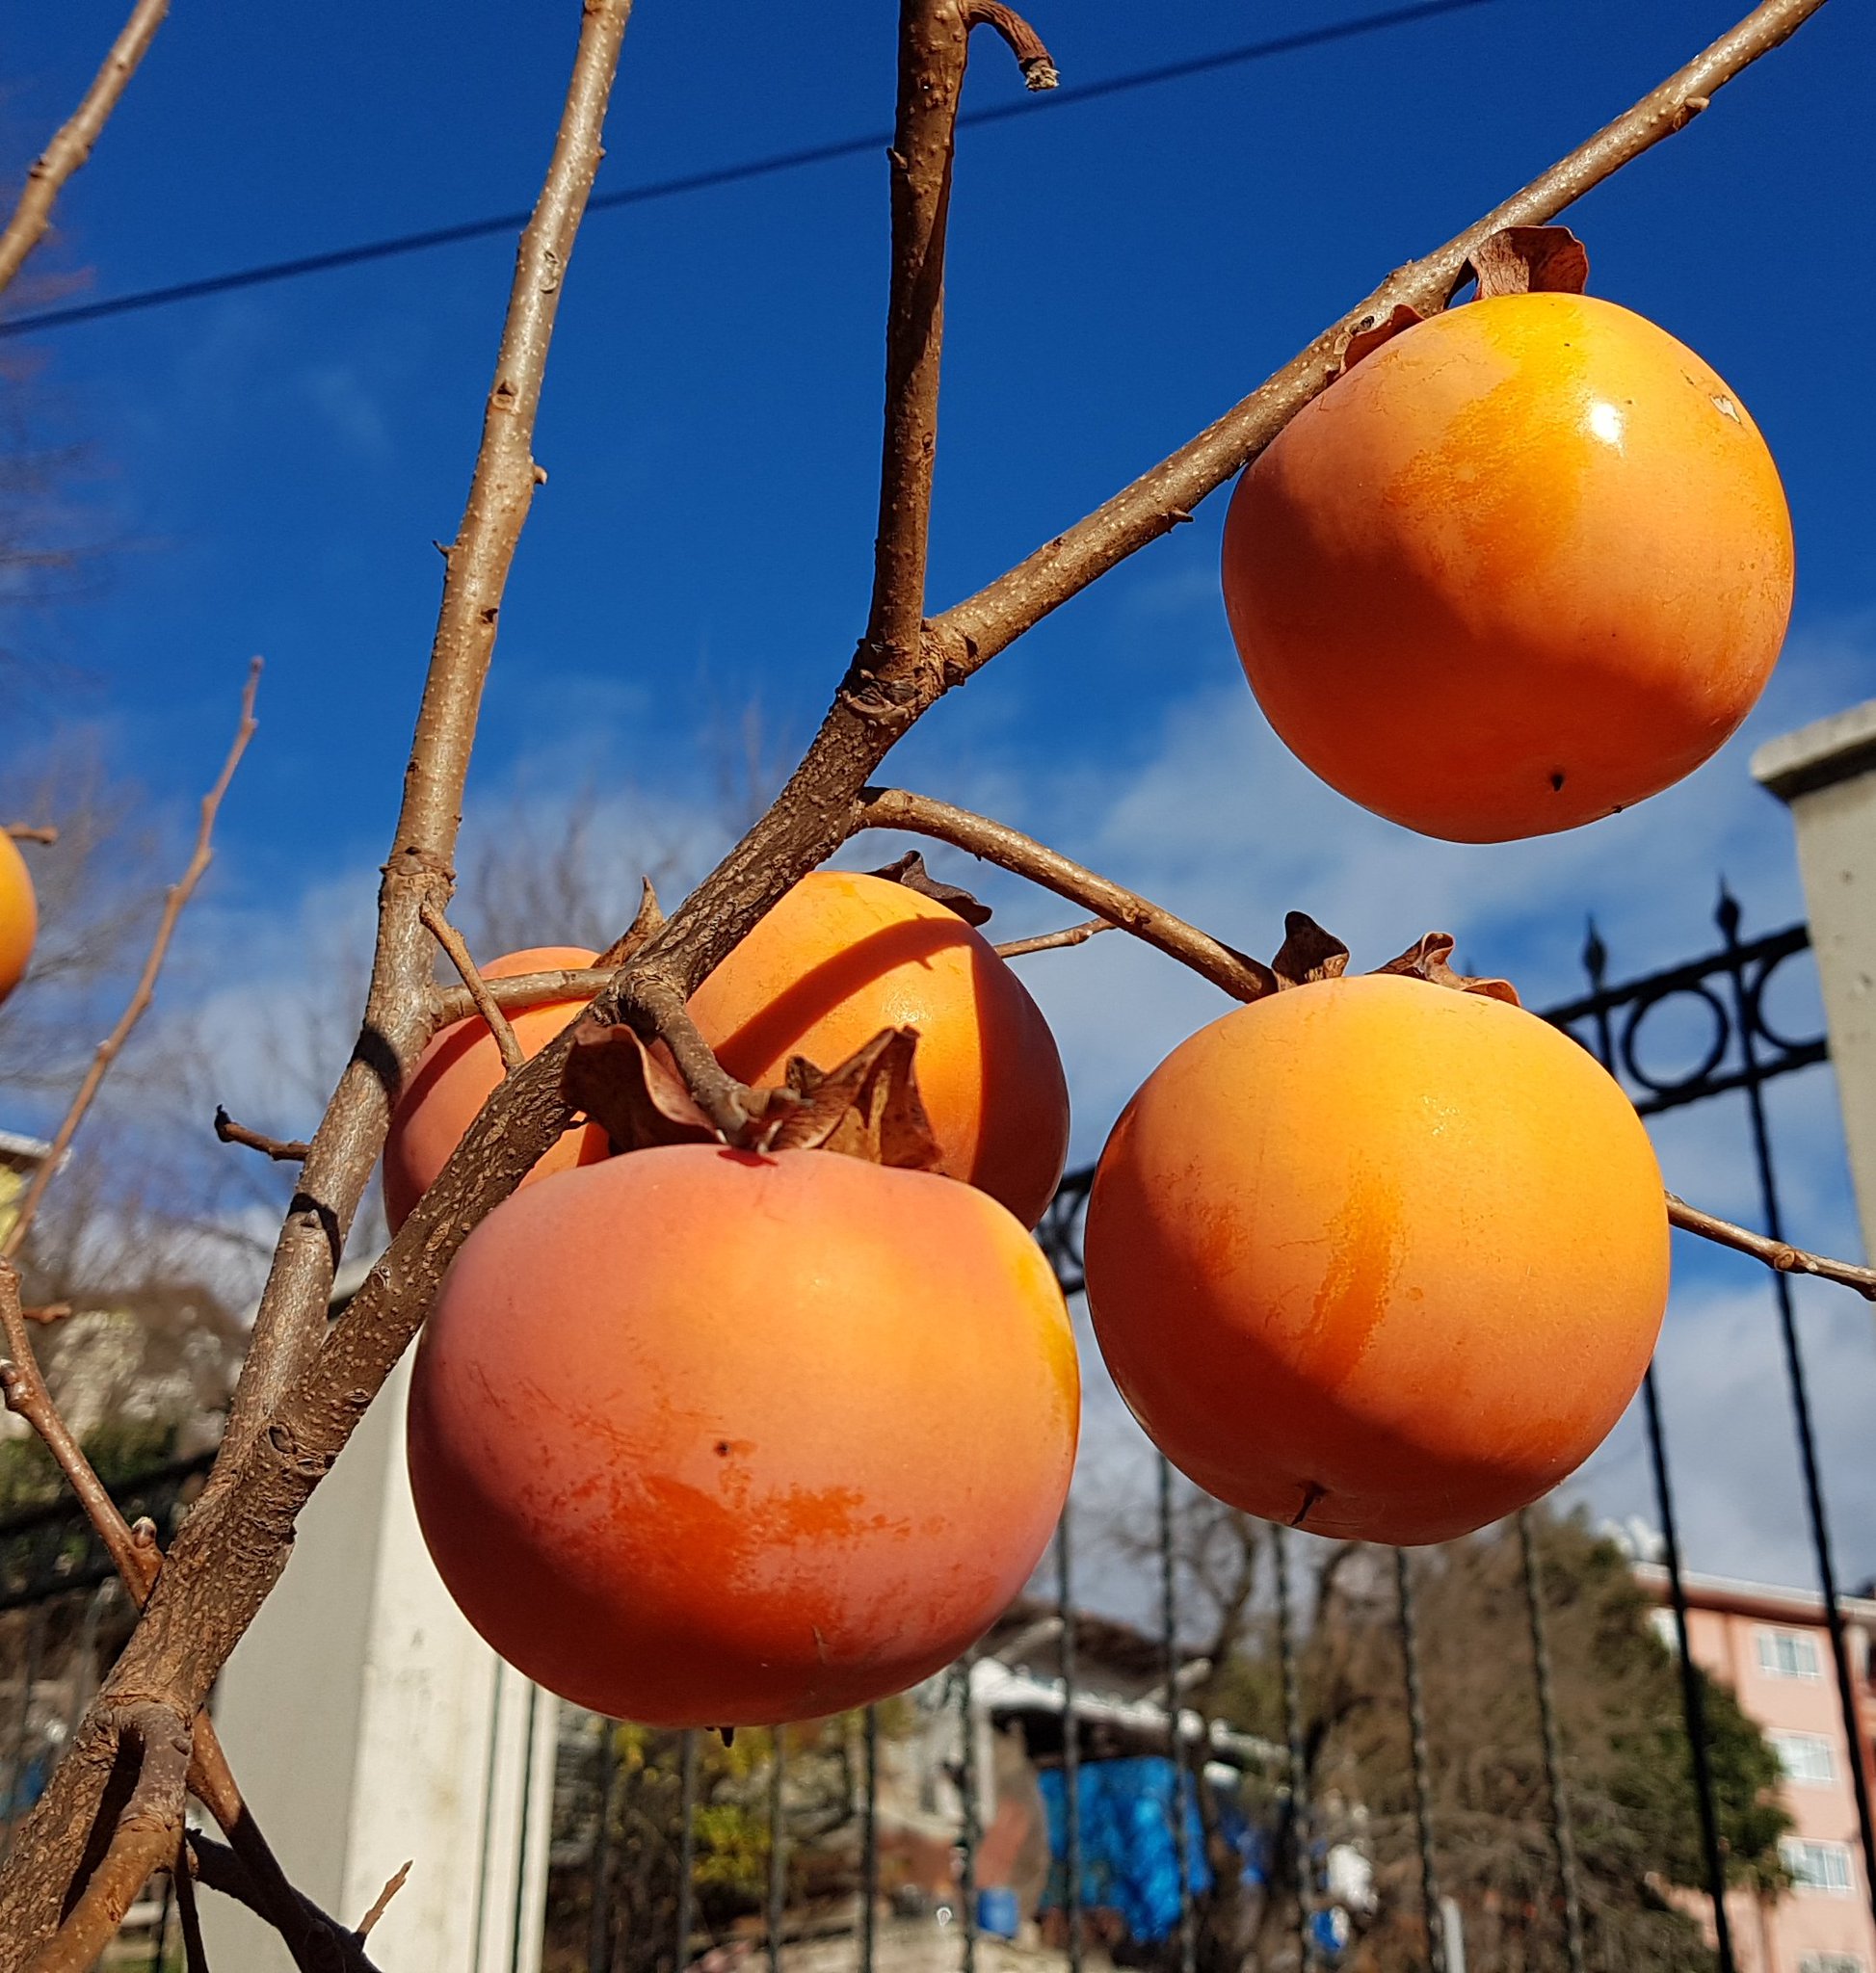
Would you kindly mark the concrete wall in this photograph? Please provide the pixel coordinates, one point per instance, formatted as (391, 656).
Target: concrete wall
(1826, 775)
(370, 1725)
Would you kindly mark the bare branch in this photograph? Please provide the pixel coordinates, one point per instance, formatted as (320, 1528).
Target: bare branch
(521, 991)
(1233, 972)
(195, 1955)
(451, 940)
(1784, 1260)
(974, 631)
(32, 832)
(933, 44)
(656, 1007)
(1051, 941)
(72, 145)
(282, 1151)
(147, 1837)
(382, 1904)
(340, 1950)
(109, 1050)
(290, 1324)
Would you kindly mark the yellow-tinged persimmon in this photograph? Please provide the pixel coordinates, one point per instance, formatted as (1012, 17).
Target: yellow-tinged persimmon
(1378, 1259)
(843, 956)
(19, 917)
(700, 1437)
(1527, 562)
(458, 1073)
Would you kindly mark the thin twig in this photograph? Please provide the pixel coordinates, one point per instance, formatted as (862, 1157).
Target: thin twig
(195, 1955)
(109, 1050)
(146, 1837)
(48, 1312)
(222, 1869)
(290, 1324)
(1052, 941)
(451, 940)
(1784, 1260)
(45, 832)
(282, 1151)
(521, 991)
(382, 1904)
(934, 46)
(27, 1396)
(72, 145)
(1233, 972)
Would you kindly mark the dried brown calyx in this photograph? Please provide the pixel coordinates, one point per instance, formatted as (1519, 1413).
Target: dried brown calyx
(1514, 260)
(911, 871)
(1308, 954)
(868, 1107)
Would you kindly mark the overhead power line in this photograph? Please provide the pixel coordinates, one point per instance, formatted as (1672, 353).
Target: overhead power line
(364, 252)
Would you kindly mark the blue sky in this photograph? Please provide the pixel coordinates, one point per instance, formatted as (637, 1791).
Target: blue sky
(271, 467)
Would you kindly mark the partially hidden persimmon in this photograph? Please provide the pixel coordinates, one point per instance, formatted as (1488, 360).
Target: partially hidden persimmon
(20, 915)
(1527, 562)
(702, 1438)
(458, 1073)
(1378, 1259)
(843, 956)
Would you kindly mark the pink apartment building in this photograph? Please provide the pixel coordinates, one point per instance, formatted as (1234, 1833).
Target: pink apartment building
(1771, 1645)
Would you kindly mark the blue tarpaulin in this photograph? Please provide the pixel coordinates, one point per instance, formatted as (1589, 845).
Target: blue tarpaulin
(1129, 1854)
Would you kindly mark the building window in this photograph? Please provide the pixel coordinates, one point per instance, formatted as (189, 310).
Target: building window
(1829, 1963)
(1805, 1756)
(1787, 1654)
(1816, 1866)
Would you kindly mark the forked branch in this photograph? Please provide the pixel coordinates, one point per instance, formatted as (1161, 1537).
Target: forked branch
(112, 1046)
(451, 940)
(72, 145)
(1231, 971)
(154, 1750)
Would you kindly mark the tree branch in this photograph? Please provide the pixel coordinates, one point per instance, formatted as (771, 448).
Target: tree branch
(1051, 941)
(656, 1007)
(195, 1955)
(1234, 973)
(72, 145)
(975, 630)
(519, 992)
(290, 1324)
(451, 940)
(1784, 1260)
(32, 832)
(282, 1151)
(109, 1050)
(147, 1836)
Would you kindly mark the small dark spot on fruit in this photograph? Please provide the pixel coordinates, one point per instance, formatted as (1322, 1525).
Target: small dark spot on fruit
(722, 1448)
(1556, 780)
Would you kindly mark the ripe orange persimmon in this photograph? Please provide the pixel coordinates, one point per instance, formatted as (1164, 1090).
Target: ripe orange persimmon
(843, 956)
(1378, 1259)
(700, 1437)
(1526, 563)
(19, 917)
(458, 1073)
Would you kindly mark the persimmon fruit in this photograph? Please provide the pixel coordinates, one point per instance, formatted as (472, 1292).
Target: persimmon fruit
(702, 1438)
(1378, 1259)
(457, 1074)
(19, 917)
(843, 956)
(1527, 562)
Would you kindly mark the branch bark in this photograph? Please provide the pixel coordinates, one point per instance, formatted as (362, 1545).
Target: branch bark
(109, 1050)
(1054, 941)
(451, 940)
(282, 1151)
(72, 145)
(290, 1324)
(32, 832)
(1231, 971)
(146, 1833)
(1777, 1254)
